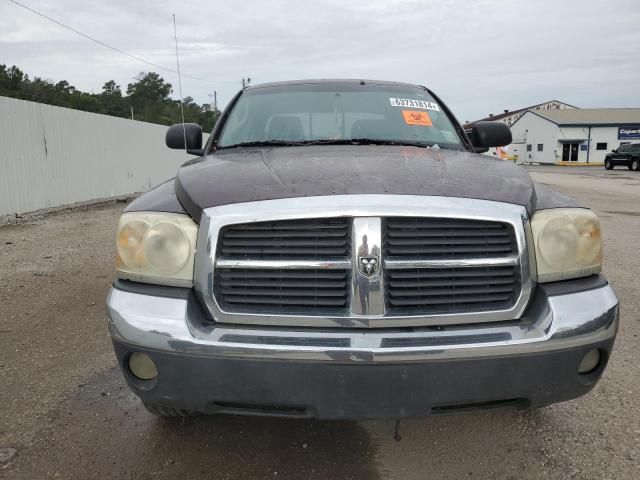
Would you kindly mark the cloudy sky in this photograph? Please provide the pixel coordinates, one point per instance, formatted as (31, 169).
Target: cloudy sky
(480, 56)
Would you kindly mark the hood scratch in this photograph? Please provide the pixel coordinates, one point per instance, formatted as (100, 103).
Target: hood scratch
(271, 170)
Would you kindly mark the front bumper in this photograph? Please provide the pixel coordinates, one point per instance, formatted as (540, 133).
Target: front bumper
(363, 373)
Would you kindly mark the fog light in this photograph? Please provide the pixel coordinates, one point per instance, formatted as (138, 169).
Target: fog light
(142, 366)
(589, 362)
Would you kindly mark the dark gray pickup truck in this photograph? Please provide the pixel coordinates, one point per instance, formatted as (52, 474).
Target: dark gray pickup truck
(339, 249)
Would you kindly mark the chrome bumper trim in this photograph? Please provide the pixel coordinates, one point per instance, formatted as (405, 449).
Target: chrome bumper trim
(178, 326)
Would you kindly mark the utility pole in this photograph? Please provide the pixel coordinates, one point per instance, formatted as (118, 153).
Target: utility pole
(131, 112)
(215, 102)
(243, 85)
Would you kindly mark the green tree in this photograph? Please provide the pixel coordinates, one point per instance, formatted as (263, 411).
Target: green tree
(111, 88)
(112, 101)
(149, 95)
(12, 81)
(42, 91)
(63, 89)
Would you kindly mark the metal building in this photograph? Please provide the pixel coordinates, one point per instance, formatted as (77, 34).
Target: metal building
(573, 136)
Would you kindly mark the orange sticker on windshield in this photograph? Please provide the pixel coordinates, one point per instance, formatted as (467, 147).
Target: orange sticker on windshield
(416, 117)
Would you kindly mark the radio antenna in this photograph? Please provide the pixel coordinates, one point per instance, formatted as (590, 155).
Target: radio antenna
(184, 129)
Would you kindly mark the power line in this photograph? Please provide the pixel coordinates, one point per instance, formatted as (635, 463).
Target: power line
(115, 49)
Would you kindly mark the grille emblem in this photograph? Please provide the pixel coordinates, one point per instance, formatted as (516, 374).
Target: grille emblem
(369, 265)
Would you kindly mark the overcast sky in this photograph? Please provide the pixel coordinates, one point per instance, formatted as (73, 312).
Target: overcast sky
(480, 56)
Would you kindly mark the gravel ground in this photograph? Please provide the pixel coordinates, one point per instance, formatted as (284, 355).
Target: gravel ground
(66, 412)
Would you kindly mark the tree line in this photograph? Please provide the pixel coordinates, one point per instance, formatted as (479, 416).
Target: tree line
(148, 96)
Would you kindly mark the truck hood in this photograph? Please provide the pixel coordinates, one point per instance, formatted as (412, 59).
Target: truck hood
(247, 175)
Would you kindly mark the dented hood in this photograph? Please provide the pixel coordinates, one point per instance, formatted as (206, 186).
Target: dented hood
(246, 175)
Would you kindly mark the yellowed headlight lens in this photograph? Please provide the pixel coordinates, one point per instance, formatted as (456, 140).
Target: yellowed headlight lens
(558, 242)
(166, 247)
(568, 243)
(130, 243)
(156, 247)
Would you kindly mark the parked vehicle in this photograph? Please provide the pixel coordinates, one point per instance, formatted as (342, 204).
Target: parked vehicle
(626, 154)
(338, 250)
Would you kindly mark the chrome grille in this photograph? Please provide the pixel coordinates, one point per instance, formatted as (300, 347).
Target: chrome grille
(269, 289)
(311, 291)
(364, 261)
(450, 290)
(417, 237)
(432, 290)
(308, 238)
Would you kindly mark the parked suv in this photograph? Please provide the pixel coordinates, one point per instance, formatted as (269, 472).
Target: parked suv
(626, 154)
(338, 250)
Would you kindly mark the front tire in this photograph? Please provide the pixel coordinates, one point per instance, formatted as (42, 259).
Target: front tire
(635, 165)
(608, 165)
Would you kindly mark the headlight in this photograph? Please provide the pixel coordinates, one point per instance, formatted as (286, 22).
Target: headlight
(568, 243)
(156, 248)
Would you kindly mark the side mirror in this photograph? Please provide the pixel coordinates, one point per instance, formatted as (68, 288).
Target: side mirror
(175, 137)
(614, 151)
(487, 134)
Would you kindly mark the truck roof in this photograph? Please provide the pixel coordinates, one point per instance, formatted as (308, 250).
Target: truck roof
(330, 81)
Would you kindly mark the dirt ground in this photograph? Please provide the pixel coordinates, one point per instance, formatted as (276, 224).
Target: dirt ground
(65, 411)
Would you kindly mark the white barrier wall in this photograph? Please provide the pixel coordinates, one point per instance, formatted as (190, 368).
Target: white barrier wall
(52, 156)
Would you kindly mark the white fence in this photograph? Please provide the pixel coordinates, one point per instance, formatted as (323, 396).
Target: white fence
(52, 156)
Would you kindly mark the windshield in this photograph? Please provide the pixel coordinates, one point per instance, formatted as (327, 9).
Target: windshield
(625, 147)
(338, 113)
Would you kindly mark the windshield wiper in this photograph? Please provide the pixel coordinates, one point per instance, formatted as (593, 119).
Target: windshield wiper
(341, 141)
(369, 141)
(374, 141)
(264, 143)
(408, 143)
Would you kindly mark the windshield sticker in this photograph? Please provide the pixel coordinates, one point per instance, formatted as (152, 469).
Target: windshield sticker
(414, 117)
(407, 102)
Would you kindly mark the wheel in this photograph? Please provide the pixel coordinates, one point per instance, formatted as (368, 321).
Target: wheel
(167, 412)
(608, 165)
(635, 165)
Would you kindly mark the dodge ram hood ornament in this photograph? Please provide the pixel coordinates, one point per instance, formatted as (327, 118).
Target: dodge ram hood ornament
(368, 265)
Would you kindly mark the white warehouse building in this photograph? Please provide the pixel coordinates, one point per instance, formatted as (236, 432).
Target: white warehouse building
(581, 135)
